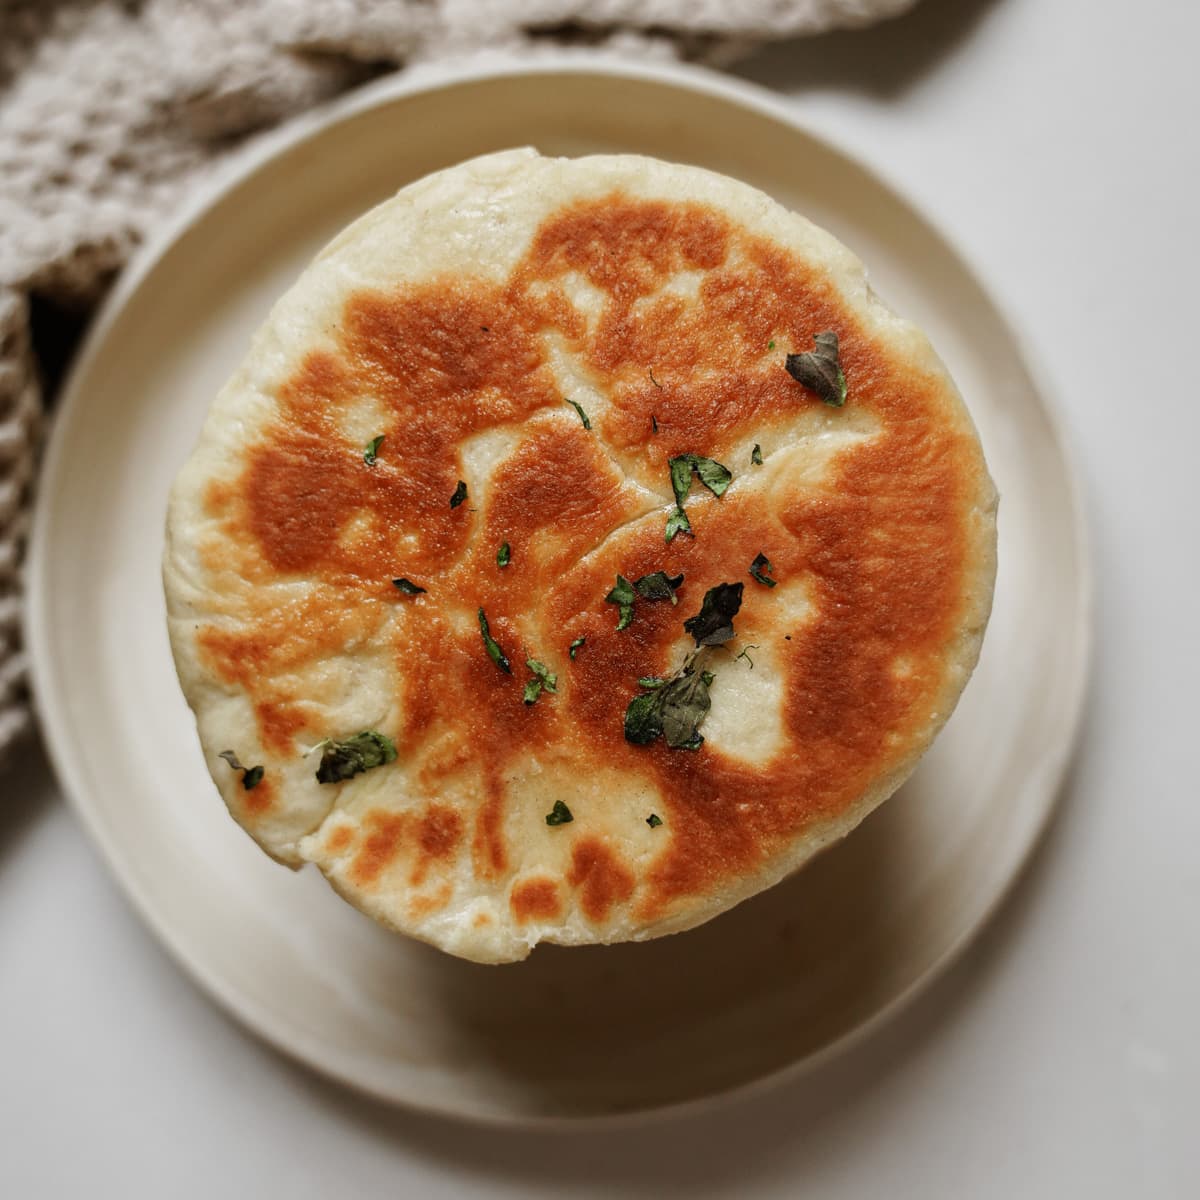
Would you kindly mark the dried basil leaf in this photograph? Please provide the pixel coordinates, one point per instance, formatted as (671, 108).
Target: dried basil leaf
(658, 585)
(623, 595)
(681, 477)
(533, 689)
(372, 450)
(493, 647)
(760, 568)
(573, 648)
(678, 522)
(504, 555)
(711, 473)
(560, 814)
(654, 820)
(582, 415)
(650, 682)
(672, 710)
(819, 369)
(713, 624)
(756, 455)
(771, 344)
(342, 760)
(460, 494)
(407, 587)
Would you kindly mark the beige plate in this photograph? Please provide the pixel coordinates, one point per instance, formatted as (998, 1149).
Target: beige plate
(570, 1033)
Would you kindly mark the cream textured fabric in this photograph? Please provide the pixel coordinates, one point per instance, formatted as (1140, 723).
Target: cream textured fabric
(110, 109)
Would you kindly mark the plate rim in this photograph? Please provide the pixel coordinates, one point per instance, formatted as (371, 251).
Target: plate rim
(298, 1046)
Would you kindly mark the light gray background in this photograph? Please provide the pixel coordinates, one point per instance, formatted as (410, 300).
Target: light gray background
(1056, 141)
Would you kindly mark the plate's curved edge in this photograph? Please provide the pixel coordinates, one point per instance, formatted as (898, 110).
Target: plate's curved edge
(296, 1045)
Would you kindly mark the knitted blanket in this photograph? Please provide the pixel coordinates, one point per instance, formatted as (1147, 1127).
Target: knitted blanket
(110, 109)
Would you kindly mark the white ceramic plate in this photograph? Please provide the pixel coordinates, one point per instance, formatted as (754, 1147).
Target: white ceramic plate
(570, 1033)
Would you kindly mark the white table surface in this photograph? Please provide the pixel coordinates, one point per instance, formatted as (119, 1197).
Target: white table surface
(1056, 141)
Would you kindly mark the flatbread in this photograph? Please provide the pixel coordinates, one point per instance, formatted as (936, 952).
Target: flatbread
(462, 322)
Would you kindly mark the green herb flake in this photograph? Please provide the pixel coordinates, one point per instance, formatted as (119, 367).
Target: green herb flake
(573, 649)
(713, 624)
(622, 595)
(673, 710)
(819, 369)
(533, 689)
(547, 677)
(711, 473)
(658, 585)
(371, 452)
(460, 494)
(492, 646)
(746, 655)
(761, 568)
(362, 752)
(650, 682)
(771, 344)
(504, 555)
(579, 409)
(654, 820)
(560, 814)
(756, 455)
(251, 776)
(407, 587)
(677, 522)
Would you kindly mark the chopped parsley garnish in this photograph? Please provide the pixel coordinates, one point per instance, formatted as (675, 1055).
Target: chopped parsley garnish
(371, 453)
(251, 776)
(543, 678)
(579, 409)
(771, 344)
(658, 585)
(504, 555)
(622, 595)
(756, 455)
(761, 568)
(819, 369)
(573, 649)
(493, 647)
(342, 760)
(560, 814)
(460, 494)
(713, 624)
(407, 587)
(678, 522)
(654, 820)
(711, 473)
(673, 709)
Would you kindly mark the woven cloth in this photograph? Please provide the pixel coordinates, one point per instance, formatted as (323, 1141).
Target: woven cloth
(110, 109)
